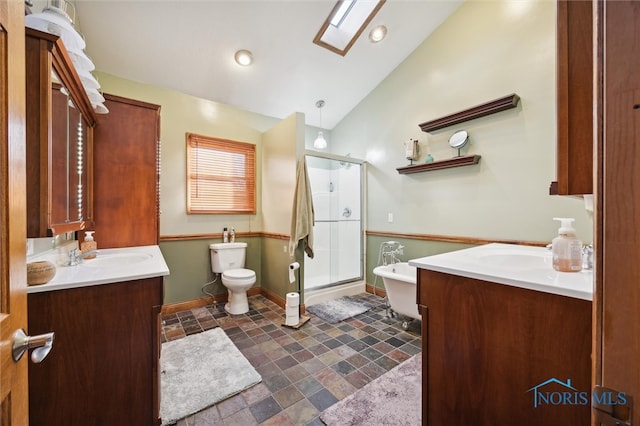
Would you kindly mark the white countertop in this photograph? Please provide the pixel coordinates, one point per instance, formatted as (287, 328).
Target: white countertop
(110, 266)
(515, 265)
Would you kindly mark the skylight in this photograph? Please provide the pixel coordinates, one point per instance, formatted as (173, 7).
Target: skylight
(341, 13)
(345, 23)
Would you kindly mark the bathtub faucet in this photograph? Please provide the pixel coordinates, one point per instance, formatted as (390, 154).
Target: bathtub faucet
(395, 253)
(390, 254)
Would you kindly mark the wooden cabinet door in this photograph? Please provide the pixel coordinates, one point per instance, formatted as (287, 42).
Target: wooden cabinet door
(105, 358)
(58, 133)
(489, 348)
(574, 171)
(617, 236)
(126, 176)
(13, 280)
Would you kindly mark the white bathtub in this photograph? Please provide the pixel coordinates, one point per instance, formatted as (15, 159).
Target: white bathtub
(400, 285)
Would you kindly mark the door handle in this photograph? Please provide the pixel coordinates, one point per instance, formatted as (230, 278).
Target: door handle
(41, 345)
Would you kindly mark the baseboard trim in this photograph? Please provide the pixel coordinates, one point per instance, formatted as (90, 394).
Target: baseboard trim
(376, 290)
(172, 308)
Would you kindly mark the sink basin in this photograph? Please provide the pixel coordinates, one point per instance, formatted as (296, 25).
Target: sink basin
(515, 265)
(112, 265)
(511, 260)
(116, 260)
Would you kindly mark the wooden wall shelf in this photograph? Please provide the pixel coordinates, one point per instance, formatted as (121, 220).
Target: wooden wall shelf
(504, 103)
(466, 160)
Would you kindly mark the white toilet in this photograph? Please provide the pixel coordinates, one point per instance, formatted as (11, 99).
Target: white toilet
(228, 259)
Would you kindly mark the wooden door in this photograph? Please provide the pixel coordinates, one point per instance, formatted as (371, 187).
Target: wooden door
(13, 302)
(617, 228)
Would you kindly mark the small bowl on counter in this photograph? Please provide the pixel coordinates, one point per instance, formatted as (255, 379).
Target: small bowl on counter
(40, 272)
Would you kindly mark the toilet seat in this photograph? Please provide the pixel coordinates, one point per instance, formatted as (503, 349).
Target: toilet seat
(239, 276)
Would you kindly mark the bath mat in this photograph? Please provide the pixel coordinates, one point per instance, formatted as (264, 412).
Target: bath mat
(337, 310)
(393, 399)
(200, 370)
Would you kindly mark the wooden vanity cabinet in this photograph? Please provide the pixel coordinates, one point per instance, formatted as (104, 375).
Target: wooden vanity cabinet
(487, 345)
(103, 368)
(59, 135)
(574, 168)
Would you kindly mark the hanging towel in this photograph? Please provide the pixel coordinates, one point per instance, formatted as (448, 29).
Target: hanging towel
(302, 219)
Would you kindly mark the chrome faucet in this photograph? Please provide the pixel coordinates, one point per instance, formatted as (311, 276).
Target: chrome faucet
(395, 253)
(75, 256)
(390, 254)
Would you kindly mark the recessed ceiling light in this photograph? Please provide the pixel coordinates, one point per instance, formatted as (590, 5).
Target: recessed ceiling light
(243, 57)
(378, 33)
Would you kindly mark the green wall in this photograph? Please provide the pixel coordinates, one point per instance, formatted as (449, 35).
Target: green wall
(485, 50)
(275, 267)
(190, 266)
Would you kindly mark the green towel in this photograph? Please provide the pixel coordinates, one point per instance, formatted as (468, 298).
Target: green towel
(302, 219)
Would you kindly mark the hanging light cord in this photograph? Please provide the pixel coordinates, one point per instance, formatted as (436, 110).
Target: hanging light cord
(320, 104)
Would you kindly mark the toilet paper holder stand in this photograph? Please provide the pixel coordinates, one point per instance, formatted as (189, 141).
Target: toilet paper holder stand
(303, 319)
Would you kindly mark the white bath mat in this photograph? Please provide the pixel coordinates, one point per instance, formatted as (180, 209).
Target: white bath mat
(337, 310)
(200, 370)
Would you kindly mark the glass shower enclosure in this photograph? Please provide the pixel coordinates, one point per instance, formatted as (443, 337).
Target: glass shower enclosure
(336, 187)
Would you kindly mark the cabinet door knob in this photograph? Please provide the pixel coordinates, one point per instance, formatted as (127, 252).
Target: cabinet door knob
(41, 344)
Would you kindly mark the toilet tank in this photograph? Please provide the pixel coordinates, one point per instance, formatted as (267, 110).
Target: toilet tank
(225, 256)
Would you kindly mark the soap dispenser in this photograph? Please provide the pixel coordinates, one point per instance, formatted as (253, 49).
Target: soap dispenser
(566, 248)
(232, 235)
(88, 244)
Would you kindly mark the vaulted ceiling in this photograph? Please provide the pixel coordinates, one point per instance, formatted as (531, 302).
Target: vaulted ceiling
(188, 46)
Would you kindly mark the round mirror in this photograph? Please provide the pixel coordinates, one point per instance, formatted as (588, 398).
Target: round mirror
(458, 139)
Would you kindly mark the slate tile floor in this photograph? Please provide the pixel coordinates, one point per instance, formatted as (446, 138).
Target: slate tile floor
(303, 371)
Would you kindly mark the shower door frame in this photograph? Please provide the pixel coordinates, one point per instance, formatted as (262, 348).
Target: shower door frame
(363, 192)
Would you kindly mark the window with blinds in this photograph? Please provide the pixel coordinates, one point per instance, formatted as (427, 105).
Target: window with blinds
(221, 176)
